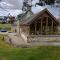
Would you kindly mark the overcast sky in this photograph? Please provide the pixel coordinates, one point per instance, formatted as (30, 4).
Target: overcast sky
(11, 6)
(14, 4)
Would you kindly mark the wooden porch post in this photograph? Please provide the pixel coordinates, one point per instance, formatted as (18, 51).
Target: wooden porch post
(35, 27)
(41, 25)
(46, 25)
(52, 26)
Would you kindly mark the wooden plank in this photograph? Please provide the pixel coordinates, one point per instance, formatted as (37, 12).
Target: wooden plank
(35, 27)
(52, 26)
(41, 24)
(46, 25)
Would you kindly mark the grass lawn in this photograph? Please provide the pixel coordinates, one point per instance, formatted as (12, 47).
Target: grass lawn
(7, 26)
(36, 53)
(3, 44)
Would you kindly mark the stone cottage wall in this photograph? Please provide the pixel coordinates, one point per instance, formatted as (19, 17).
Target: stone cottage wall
(58, 28)
(15, 27)
(24, 32)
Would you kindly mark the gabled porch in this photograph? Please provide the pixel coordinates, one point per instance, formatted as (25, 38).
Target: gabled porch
(43, 26)
(44, 23)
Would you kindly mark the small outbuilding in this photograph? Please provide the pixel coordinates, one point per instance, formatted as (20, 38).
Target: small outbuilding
(42, 23)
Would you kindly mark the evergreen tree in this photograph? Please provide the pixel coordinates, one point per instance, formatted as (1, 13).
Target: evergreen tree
(49, 1)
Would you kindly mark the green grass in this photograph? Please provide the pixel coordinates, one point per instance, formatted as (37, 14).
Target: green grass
(38, 53)
(7, 26)
(3, 44)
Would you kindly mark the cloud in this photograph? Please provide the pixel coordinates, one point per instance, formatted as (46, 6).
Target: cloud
(17, 4)
(7, 4)
(14, 12)
(10, 6)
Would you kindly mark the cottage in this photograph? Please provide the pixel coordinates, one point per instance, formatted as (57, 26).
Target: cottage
(42, 23)
(39, 23)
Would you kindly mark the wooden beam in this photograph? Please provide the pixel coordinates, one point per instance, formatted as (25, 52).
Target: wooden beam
(41, 25)
(53, 20)
(46, 25)
(35, 27)
(52, 26)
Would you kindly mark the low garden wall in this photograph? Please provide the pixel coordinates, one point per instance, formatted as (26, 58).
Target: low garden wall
(43, 38)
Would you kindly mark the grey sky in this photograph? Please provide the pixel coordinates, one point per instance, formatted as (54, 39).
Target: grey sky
(17, 4)
(12, 6)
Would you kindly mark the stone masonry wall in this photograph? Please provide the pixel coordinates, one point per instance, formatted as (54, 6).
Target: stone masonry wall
(46, 38)
(24, 32)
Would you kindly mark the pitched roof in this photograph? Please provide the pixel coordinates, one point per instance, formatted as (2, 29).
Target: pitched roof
(29, 20)
(25, 15)
(52, 9)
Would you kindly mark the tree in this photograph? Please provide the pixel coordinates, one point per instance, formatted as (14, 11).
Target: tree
(49, 2)
(11, 20)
